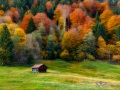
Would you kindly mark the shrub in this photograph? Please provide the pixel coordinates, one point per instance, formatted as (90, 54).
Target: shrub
(44, 54)
(65, 55)
(80, 56)
(102, 53)
(116, 59)
(91, 57)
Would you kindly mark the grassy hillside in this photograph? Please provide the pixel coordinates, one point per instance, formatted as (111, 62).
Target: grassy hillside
(62, 75)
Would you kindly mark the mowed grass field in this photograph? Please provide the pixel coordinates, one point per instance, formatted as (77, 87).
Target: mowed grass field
(61, 75)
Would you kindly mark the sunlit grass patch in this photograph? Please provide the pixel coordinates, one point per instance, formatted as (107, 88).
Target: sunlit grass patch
(61, 75)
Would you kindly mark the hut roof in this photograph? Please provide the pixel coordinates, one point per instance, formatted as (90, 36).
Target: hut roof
(37, 66)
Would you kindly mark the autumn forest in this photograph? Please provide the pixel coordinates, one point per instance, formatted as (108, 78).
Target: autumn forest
(72, 30)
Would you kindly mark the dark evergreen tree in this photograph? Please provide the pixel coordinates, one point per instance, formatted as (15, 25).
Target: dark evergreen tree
(100, 0)
(34, 10)
(99, 30)
(22, 12)
(7, 45)
(43, 2)
(118, 33)
(51, 46)
(41, 8)
(67, 2)
(116, 10)
(31, 26)
(97, 18)
(51, 13)
(4, 5)
(112, 3)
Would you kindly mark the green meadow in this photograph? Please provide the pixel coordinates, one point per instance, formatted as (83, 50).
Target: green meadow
(62, 75)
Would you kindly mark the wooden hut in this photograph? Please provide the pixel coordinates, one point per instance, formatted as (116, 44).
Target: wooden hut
(39, 68)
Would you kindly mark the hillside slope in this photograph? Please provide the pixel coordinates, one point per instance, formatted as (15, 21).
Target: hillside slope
(62, 76)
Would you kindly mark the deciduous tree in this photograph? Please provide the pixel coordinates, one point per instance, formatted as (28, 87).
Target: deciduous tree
(77, 17)
(20, 34)
(105, 16)
(72, 38)
(14, 14)
(42, 18)
(25, 21)
(113, 23)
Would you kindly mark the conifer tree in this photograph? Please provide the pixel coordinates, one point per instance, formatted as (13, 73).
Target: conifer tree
(51, 13)
(118, 33)
(31, 26)
(34, 10)
(116, 10)
(97, 17)
(7, 46)
(41, 28)
(51, 46)
(99, 30)
(66, 2)
(41, 8)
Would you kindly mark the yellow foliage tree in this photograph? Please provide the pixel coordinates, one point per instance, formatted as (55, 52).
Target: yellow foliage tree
(91, 57)
(105, 16)
(113, 23)
(111, 48)
(61, 23)
(12, 27)
(71, 39)
(1, 26)
(65, 55)
(57, 13)
(2, 13)
(118, 44)
(102, 53)
(21, 36)
(101, 42)
(116, 58)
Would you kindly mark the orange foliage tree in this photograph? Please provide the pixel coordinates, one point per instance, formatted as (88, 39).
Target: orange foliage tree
(74, 5)
(2, 12)
(25, 21)
(88, 23)
(77, 17)
(49, 5)
(92, 6)
(42, 18)
(14, 14)
(104, 6)
(57, 13)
